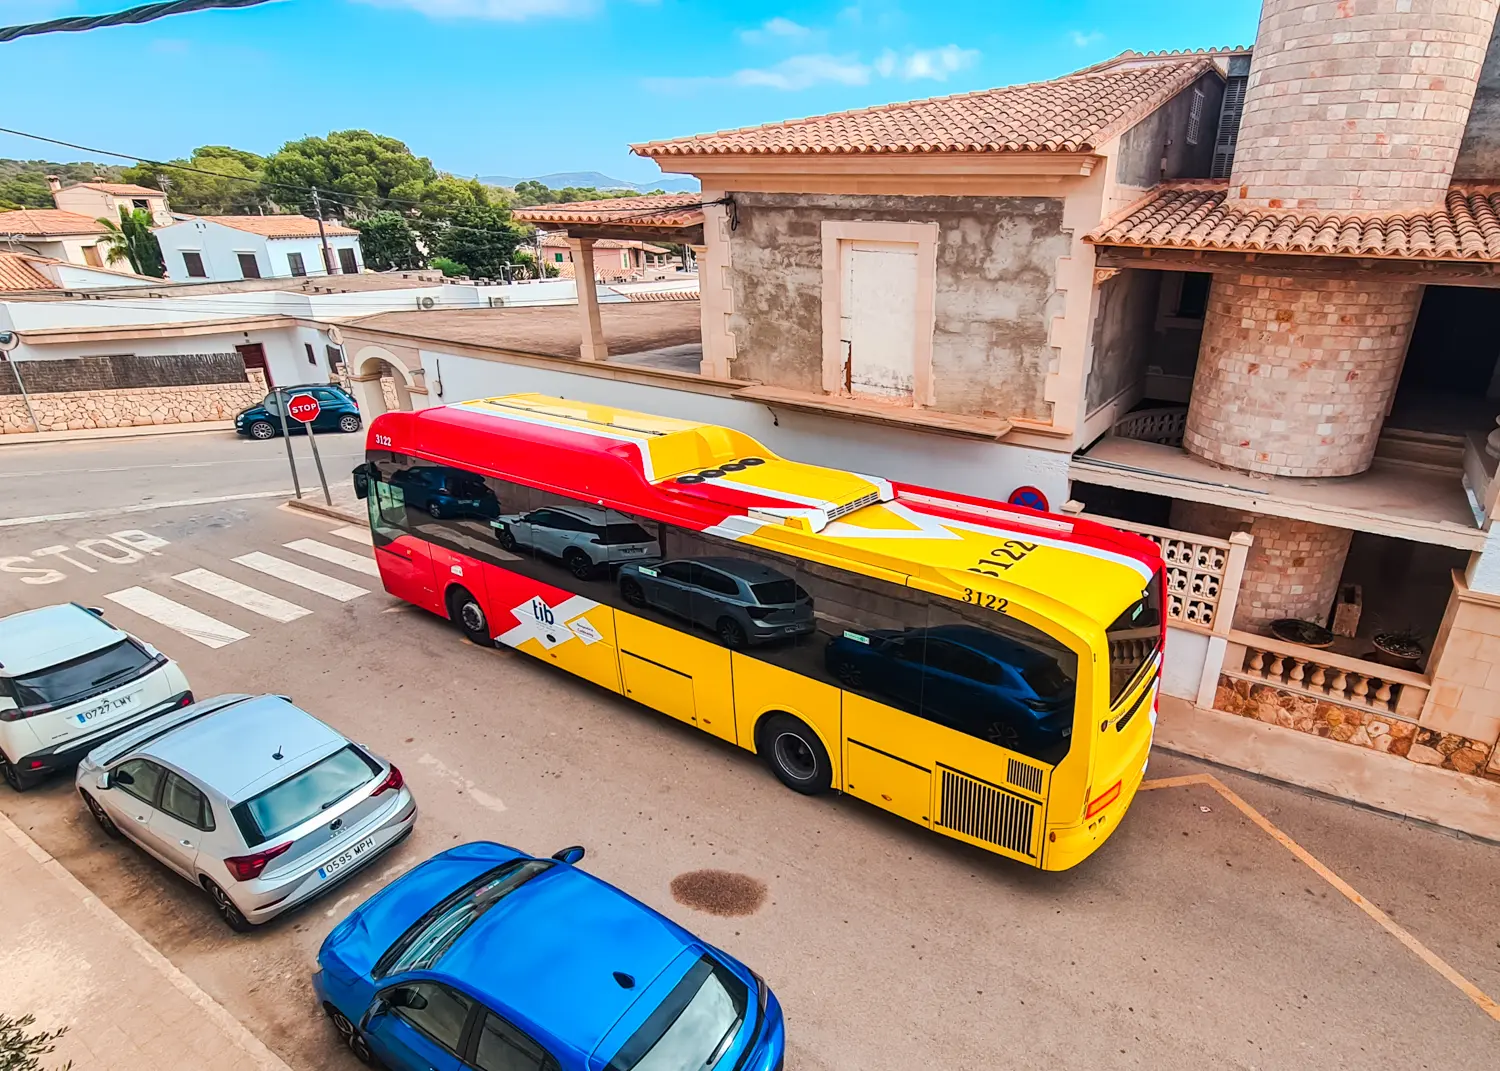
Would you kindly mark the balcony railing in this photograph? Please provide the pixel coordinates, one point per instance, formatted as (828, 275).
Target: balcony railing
(1165, 426)
(1352, 682)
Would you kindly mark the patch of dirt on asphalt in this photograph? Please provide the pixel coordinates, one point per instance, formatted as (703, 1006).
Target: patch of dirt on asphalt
(719, 892)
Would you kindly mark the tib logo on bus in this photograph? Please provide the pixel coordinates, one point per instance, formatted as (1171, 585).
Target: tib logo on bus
(303, 407)
(542, 612)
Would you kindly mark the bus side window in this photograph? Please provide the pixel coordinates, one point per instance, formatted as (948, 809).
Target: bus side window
(387, 503)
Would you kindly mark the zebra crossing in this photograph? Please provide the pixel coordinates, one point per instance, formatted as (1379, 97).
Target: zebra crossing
(163, 607)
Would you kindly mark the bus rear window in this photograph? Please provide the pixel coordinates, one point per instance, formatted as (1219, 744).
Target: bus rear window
(1134, 639)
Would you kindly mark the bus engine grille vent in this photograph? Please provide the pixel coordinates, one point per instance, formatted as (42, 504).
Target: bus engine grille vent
(1024, 775)
(987, 813)
(849, 507)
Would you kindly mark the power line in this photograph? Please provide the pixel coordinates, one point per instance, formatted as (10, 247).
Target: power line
(129, 17)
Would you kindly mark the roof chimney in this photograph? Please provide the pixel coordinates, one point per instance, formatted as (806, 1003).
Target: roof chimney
(54, 183)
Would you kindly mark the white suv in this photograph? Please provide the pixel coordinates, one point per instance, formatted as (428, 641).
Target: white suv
(69, 681)
(584, 538)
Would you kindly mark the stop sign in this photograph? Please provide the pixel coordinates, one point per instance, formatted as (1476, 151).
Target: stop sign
(303, 407)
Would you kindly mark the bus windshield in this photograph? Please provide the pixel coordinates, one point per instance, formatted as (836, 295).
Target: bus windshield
(1134, 639)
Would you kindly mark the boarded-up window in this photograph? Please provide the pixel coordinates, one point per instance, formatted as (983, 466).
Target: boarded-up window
(91, 256)
(294, 262)
(193, 262)
(249, 266)
(878, 322)
(347, 262)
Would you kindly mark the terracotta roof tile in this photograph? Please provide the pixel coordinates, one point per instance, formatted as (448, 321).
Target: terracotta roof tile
(121, 189)
(48, 222)
(652, 210)
(1076, 113)
(279, 226)
(16, 273)
(1194, 215)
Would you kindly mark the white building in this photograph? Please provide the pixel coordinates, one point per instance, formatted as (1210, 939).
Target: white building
(226, 248)
(55, 234)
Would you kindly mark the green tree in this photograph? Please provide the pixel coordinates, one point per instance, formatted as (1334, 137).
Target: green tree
(21, 1049)
(359, 168)
(24, 191)
(240, 190)
(388, 241)
(482, 237)
(132, 240)
(450, 268)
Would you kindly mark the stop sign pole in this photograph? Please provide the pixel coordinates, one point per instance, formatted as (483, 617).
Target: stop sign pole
(305, 408)
(287, 438)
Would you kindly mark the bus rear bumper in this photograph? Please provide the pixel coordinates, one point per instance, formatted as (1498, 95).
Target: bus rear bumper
(1067, 846)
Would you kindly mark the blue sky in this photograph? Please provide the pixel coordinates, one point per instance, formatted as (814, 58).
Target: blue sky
(536, 86)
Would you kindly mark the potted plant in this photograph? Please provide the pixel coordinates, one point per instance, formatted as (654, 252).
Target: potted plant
(1306, 633)
(1399, 648)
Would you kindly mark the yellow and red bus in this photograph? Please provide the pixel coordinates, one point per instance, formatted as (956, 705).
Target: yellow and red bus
(986, 671)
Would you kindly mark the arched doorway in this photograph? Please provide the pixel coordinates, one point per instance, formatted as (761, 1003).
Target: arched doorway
(381, 382)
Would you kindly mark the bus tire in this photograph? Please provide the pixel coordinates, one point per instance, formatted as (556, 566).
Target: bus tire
(465, 612)
(795, 754)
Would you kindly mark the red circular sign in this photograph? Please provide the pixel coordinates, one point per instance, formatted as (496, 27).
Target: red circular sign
(1030, 497)
(303, 407)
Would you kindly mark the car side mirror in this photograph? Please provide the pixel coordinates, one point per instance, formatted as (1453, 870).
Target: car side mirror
(95, 611)
(377, 1009)
(569, 855)
(105, 781)
(120, 777)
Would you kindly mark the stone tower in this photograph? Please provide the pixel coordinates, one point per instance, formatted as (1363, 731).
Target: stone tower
(1352, 106)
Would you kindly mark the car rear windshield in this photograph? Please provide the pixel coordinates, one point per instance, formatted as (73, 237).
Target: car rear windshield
(304, 794)
(434, 933)
(84, 676)
(615, 534)
(1134, 639)
(693, 1028)
(776, 592)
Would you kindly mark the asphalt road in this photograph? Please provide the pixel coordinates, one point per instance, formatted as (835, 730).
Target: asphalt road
(46, 479)
(1192, 940)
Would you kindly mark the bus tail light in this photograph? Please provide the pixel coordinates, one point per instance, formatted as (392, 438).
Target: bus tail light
(1102, 800)
(248, 867)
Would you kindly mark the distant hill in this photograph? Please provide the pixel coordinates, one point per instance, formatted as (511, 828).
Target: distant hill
(597, 179)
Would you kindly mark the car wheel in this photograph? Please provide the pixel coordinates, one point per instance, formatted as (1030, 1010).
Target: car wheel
(351, 1035)
(506, 538)
(465, 612)
(578, 563)
(14, 777)
(231, 914)
(262, 429)
(795, 754)
(349, 423)
(106, 823)
(435, 510)
(731, 633)
(632, 592)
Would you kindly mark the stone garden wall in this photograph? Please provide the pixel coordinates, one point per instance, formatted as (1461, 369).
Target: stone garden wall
(74, 410)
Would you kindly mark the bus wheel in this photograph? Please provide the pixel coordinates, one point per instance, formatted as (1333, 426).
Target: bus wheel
(796, 755)
(465, 612)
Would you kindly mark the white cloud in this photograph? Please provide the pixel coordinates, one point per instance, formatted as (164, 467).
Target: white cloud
(803, 72)
(925, 63)
(1084, 40)
(494, 10)
(777, 29)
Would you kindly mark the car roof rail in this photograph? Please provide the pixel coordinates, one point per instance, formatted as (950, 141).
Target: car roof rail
(160, 727)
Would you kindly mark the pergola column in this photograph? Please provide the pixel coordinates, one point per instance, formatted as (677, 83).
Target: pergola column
(593, 347)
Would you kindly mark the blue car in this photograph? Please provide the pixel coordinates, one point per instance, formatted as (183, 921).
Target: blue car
(487, 959)
(967, 678)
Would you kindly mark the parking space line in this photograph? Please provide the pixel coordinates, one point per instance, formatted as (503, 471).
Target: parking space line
(208, 631)
(293, 573)
(355, 534)
(252, 599)
(360, 563)
(1486, 1003)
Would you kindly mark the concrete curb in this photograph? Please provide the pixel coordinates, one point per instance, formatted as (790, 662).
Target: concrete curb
(236, 1031)
(141, 431)
(337, 513)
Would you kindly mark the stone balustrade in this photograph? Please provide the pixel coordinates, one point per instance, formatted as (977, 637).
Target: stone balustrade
(1165, 426)
(1351, 682)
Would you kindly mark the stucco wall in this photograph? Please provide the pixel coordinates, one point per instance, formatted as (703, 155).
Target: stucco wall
(996, 292)
(1123, 333)
(1162, 136)
(220, 246)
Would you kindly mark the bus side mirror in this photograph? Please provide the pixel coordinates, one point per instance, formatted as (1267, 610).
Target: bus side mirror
(361, 476)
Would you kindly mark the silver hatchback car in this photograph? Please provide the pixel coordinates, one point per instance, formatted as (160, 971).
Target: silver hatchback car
(254, 800)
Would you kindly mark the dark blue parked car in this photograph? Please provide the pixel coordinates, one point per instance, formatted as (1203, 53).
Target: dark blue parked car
(972, 680)
(336, 412)
(486, 958)
(445, 492)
